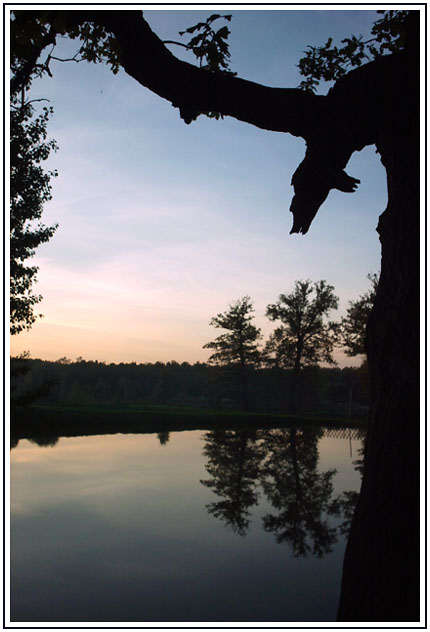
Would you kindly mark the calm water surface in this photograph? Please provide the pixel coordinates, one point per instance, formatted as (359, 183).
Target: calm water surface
(187, 526)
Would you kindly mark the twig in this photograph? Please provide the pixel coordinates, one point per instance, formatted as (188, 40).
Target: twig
(177, 44)
(25, 103)
(70, 59)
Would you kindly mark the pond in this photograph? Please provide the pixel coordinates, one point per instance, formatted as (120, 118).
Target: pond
(192, 526)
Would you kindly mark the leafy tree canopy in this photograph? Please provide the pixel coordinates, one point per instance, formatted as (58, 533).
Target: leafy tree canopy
(330, 62)
(239, 345)
(303, 337)
(210, 47)
(354, 324)
(30, 189)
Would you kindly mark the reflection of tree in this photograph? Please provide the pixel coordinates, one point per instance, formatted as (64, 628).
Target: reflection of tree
(344, 505)
(233, 463)
(298, 491)
(163, 437)
(359, 463)
(45, 441)
(285, 462)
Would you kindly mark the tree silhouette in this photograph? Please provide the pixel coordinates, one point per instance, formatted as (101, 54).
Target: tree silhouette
(303, 338)
(238, 347)
(30, 189)
(375, 104)
(354, 324)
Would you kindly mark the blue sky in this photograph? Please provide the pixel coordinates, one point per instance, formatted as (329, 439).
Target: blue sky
(162, 224)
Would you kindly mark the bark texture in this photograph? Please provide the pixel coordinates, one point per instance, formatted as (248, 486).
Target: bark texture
(381, 567)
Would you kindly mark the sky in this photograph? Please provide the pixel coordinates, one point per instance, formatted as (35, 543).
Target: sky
(162, 225)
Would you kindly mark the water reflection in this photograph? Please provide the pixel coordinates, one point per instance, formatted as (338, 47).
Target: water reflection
(13, 442)
(344, 504)
(298, 492)
(163, 437)
(150, 549)
(42, 440)
(233, 463)
(283, 463)
(45, 440)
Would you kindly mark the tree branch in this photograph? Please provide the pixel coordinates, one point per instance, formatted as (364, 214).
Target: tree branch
(193, 90)
(333, 126)
(177, 44)
(22, 77)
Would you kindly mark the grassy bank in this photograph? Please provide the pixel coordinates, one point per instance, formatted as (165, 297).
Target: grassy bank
(69, 421)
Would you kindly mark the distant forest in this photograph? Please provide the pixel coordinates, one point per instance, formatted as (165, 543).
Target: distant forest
(334, 391)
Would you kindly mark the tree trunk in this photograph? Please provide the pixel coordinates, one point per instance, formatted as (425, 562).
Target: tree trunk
(244, 392)
(294, 392)
(244, 386)
(381, 568)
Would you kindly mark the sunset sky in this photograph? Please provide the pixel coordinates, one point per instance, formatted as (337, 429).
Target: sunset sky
(162, 224)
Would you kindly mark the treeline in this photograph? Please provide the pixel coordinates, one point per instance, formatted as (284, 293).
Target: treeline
(85, 383)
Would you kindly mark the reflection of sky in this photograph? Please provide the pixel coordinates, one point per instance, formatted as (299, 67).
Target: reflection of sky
(115, 528)
(162, 225)
(343, 452)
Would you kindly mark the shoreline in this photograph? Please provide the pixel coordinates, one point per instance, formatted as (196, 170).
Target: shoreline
(73, 421)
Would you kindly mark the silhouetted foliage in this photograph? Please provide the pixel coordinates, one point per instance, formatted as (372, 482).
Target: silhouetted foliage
(330, 62)
(20, 367)
(30, 184)
(30, 189)
(303, 338)
(354, 324)
(210, 47)
(238, 347)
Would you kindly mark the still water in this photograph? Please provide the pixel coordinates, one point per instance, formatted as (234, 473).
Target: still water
(193, 526)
